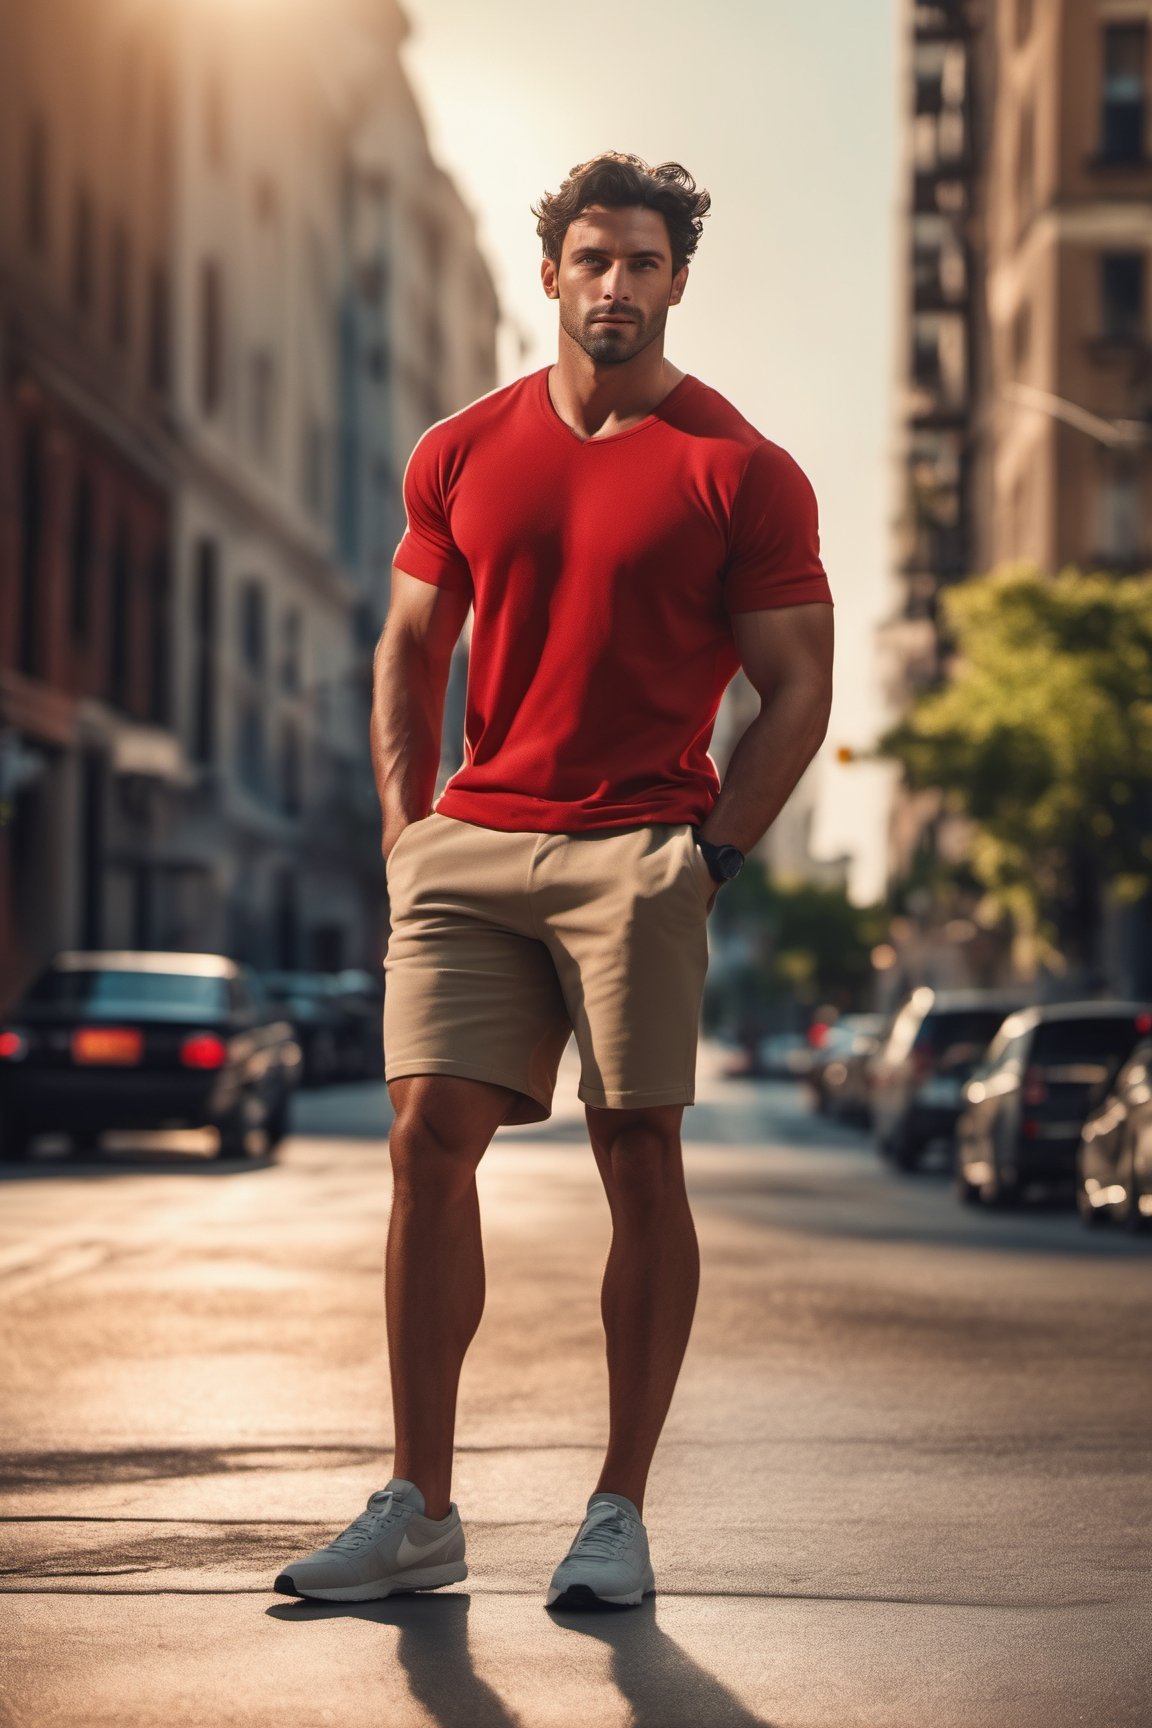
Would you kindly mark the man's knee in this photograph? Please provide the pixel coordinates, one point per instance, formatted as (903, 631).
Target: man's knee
(442, 1129)
(638, 1151)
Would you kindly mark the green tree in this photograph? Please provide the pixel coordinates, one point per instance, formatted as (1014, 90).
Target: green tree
(1043, 738)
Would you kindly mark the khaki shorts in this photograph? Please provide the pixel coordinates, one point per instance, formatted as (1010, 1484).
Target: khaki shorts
(503, 945)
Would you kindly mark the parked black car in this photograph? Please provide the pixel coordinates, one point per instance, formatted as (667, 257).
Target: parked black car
(112, 1041)
(1114, 1158)
(1026, 1104)
(918, 1075)
(337, 1020)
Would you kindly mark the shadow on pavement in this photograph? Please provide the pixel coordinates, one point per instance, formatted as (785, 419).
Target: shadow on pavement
(433, 1651)
(659, 1680)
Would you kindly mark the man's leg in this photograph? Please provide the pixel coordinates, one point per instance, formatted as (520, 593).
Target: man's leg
(650, 1282)
(434, 1278)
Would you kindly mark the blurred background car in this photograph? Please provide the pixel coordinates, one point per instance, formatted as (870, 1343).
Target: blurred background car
(918, 1075)
(1114, 1158)
(337, 1020)
(111, 1041)
(784, 1056)
(839, 1072)
(1026, 1106)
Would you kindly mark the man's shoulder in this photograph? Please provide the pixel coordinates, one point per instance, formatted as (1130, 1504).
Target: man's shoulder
(459, 430)
(703, 412)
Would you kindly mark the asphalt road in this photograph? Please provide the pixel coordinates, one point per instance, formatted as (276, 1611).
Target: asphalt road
(905, 1481)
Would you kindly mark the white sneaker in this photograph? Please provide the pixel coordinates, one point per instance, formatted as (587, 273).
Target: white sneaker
(609, 1560)
(389, 1548)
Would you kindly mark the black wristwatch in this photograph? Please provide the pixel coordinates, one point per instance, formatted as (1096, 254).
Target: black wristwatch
(724, 862)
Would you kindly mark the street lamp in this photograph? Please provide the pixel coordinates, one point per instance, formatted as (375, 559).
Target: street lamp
(1117, 434)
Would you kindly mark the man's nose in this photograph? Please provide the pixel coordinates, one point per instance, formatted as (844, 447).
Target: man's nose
(616, 283)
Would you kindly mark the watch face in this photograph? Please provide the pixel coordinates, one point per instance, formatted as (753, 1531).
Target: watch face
(731, 862)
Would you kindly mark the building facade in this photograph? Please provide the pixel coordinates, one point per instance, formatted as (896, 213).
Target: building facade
(1024, 420)
(234, 289)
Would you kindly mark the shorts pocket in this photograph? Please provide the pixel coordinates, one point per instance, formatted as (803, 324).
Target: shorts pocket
(699, 867)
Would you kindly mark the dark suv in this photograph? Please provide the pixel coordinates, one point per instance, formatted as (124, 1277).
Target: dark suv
(1028, 1101)
(918, 1075)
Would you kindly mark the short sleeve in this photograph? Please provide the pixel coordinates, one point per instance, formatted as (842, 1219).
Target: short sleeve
(774, 540)
(427, 550)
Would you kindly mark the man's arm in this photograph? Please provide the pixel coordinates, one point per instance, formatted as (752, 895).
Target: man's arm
(410, 677)
(786, 654)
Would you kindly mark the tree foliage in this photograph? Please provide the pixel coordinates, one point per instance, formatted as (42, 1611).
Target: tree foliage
(1043, 737)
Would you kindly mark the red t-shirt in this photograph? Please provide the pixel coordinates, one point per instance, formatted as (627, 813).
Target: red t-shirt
(602, 573)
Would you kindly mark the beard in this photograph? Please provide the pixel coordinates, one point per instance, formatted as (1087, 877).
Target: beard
(612, 344)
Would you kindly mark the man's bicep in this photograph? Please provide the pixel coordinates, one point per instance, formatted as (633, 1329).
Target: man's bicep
(430, 617)
(785, 645)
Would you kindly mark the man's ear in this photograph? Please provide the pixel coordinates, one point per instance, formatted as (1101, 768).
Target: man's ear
(548, 278)
(679, 283)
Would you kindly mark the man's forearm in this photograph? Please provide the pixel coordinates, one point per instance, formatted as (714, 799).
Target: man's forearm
(407, 716)
(766, 765)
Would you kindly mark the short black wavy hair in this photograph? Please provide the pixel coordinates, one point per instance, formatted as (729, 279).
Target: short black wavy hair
(617, 180)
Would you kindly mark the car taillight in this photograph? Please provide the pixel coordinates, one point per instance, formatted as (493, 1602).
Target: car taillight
(13, 1045)
(818, 1034)
(1144, 1024)
(203, 1050)
(1034, 1091)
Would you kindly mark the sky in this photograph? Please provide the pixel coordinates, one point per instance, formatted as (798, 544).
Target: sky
(786, 110)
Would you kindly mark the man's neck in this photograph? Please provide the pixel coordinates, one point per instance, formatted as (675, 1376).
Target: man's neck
(598, 401)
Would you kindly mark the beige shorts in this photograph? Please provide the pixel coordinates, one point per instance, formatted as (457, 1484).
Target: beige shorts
(503, 945)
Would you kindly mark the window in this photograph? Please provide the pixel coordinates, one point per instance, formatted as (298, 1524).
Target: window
(263, 402)
(120, 622)
(291, 766)
(1123, 99)
(211, 336)
(253, 628)
(80, 557)
(36, 187)
(205, 619)
(160, 659)
(1122, 296)
(291, 675)
(159, 329)
(83, 247)
(120, 286)
(250, 764)
(1119, 509)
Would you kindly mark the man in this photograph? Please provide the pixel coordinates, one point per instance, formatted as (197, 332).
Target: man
(627, 541)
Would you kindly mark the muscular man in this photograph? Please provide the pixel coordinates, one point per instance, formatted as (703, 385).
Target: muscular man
(626, 541)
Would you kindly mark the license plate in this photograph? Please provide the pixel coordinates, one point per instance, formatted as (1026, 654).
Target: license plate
(108, 1046)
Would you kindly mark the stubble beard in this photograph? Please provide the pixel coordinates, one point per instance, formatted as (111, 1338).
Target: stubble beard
(614, 346)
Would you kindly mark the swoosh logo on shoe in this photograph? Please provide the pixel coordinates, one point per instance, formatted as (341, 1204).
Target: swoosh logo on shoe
(410, 1550)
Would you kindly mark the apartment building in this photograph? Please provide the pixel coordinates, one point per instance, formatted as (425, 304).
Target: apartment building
(1024, 419)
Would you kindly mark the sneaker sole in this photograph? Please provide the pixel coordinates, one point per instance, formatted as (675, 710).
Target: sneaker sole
(431, 1578)
(583, 1596)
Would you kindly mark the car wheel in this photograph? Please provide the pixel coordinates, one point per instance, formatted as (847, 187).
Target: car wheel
(1000, 1192)
(279, 1120)
(904, 1152)
(1129, 1211)
(235, 1129)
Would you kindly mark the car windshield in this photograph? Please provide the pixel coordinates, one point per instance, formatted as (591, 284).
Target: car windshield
(1097, 1044)
(958, 1038)
(103, 990)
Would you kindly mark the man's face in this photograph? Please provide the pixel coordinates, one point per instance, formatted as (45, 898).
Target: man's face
(614, 282)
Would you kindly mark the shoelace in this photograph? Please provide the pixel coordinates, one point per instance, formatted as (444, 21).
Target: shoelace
(367, 1527)
(604, 1533)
